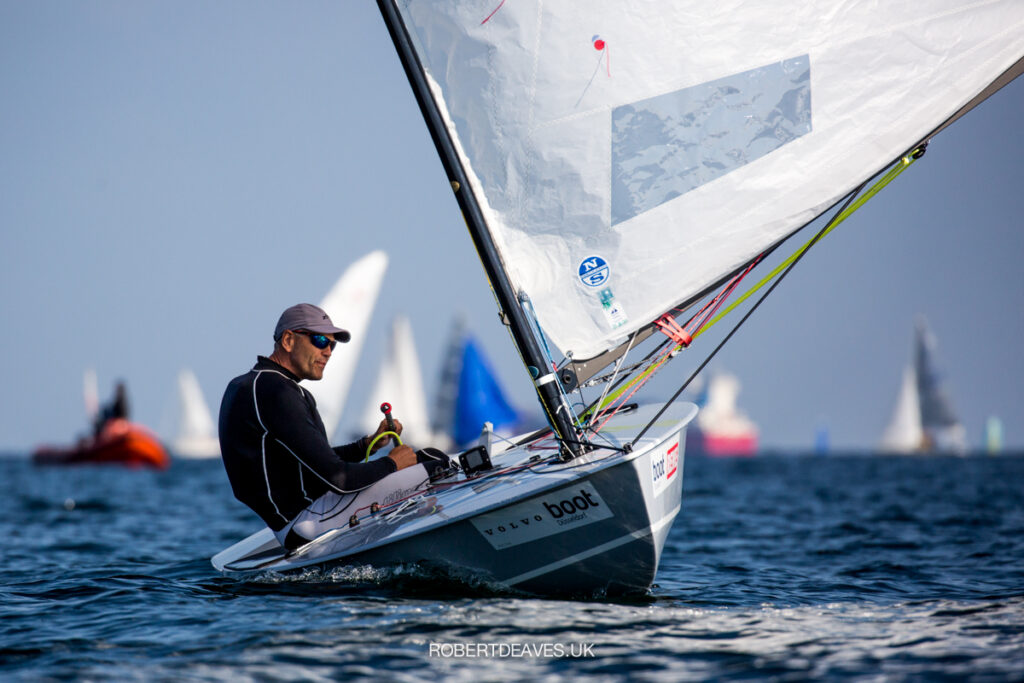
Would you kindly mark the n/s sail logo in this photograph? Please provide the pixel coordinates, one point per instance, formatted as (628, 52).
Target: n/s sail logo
(594, 271)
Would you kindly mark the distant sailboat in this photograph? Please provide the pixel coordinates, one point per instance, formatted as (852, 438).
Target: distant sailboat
(904, 433)
(91, 394)
(480, 398)
(400, 383)
(923, 420)
(196, 435)
(469, 396)
(822, 441)
(720, 428)
(350, 303)
(993, 435)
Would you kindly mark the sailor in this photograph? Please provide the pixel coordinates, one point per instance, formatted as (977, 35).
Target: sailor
(275, 447)
(117, 409)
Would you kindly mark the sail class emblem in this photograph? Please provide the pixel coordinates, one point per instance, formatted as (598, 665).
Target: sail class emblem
(594, 271)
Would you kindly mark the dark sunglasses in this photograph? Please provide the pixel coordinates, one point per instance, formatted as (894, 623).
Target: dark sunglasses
(320, 341)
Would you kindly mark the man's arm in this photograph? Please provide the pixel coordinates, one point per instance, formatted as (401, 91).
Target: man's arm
(286, 416)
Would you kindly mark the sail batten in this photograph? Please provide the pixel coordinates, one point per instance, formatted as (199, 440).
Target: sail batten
(625, 156)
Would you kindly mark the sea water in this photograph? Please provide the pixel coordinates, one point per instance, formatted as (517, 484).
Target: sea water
(781, 567)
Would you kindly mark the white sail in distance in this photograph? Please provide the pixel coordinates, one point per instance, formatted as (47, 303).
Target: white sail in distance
(349, 303)
(904, 434)
(91, 394)
(626, 156)
(196, 435)
(924, 420)
(943, 430)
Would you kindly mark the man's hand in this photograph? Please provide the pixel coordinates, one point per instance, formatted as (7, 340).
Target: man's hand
(403, 456)
(381, 428)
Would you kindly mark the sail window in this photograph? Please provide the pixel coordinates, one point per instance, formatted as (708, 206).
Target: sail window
(665, 146)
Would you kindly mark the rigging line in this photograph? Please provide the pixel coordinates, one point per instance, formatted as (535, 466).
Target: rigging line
(646, 360)
(726, 293)
(651, 363)
(887, 176)
(635, 384)
(618, 366)
(610, 377)
(821, 233)
(566, 403)
(638, 381)
(841, 215)
(714, 304)
(845, 213)
(636, 388)
(552, 467)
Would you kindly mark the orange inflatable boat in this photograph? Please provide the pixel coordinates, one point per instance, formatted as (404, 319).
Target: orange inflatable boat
(119, 442)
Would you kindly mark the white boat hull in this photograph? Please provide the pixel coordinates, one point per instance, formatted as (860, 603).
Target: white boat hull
(594, 525)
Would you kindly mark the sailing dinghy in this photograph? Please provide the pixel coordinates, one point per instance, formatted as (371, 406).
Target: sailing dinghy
(196, 435)
(621, 168)
(924, 420)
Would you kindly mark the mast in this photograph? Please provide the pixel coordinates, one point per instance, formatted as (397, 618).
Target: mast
(545, 379)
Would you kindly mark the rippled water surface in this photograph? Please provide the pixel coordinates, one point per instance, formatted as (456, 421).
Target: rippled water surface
(781, 567)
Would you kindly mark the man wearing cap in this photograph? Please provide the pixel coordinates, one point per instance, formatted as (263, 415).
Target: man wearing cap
(275, 446)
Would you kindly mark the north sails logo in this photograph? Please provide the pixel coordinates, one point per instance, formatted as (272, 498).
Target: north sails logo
(543, 516)
(593, 271)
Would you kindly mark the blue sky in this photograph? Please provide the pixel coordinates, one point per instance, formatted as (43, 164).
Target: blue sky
(173, 175)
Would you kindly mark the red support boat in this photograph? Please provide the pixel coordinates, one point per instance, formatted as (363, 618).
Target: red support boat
(119, 442)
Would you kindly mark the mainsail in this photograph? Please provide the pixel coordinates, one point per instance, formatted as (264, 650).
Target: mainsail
(624, 158)
(627, 155)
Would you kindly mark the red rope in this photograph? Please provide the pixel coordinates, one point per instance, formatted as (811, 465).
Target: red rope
(681, 335)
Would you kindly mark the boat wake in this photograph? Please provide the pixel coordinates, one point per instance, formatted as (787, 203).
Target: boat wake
(413, 578)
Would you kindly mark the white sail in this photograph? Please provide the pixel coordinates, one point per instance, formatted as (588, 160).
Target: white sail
(943, 430)
(993, 435)
(400, 383)
(350, 303)
(91, 394)
(196, 435)
(903, 434)
(627, 155)
(923, 420)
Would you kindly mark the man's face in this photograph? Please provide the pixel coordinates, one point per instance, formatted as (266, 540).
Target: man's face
(307, 361)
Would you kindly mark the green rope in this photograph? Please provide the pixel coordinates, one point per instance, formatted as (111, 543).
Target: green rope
(890, 175)
(369, 448)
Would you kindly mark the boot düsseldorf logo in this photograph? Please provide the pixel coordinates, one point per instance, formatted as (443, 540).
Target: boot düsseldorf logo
(547, 514)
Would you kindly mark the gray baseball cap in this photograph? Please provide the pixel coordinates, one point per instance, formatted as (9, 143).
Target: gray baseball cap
(309, 317)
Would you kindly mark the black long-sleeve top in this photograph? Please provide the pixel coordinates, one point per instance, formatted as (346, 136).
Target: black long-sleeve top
(275, 447)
